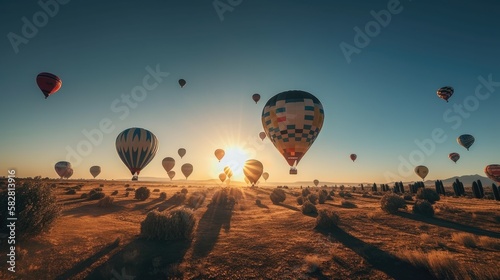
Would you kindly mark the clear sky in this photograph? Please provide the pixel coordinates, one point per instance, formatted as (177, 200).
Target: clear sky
(379, 95)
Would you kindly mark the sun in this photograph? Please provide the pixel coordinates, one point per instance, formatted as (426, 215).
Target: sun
(235, 158)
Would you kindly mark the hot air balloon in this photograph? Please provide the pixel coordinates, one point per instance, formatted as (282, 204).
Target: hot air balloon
(171, 174)
(48, 83)
(262, 135)
(316, 182)
(182, 83)
(454, 157)
(265, 175)
(222, 177)
(422, 171)
(95, 170)
(61, 167)
(68, 173)
(228, 172)
(219, 154)
(253, 170)
(256, 97)
(353, 157)
(466, 140)
(187, 169)
(168, 163)
(445, 93)
(136, 148)
(181, 152)
(493, 172)
(292, 121)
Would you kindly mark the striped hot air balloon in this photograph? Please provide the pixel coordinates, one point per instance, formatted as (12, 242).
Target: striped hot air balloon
(61, 167)
(466, 140)
(454, 157)
(48, 83)
(136, 148)
(253, 170)
(445, 93)
(292, 121)
(493, 172)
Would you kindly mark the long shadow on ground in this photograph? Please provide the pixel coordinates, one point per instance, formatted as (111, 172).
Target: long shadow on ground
(449, 224)
(143, 259)
(379, 259)
(213, 220)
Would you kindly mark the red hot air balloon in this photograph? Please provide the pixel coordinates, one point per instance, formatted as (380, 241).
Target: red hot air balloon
(262, 135)
(445, 93)
(48, 83)
(493, 172)
(353, 157)
(454, 157)
(256, 97)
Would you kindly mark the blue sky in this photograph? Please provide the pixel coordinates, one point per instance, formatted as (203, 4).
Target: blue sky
(377, 105)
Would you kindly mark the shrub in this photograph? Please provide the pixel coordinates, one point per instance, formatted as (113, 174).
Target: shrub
(163, 195)
(114, 193)
(101, 185)
(236, 193)
(156, 190)
(98, 189)
(466, 239)
(322, 196)
(130, 189)
(184, 191)
(258, 202)
(428, 194)
(305, 192)
(348, 204)
(329, 197)
(95, 195)
(127, 194)
(177, 224)
(391, 203)
(142, 193)
(309, 208)
(408, 197)
(71, 191)
(84, 195)
(36, 209)
(277, 196)
(196, 199)
(300, 200)
(313, 198)
(219, 198)
(106, 201)
(424, 208)
(327, 219)
(178, 198)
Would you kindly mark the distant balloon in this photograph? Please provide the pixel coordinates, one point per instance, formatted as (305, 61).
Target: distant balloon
(316, 182)
(95, 170)
(253, 170)
(353, 157)
(187, 169)
(228, 171)
(222, 177)
(182, 83)
(265, 175)
(422, 171)
(136, 148)
(168, 163)
(181, 152)
(61, 167)
(454, 157)
(256, 97)
(68, 173)
(445, 93)
(262, 135)
(466, 140)
(219, 154)
(171, 174)
(292, 121)
(493, 172)
(48, 83)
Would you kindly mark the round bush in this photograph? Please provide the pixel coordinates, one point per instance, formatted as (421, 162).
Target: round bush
(327, 219)
(300, 200)
(278, 196)
(313, 198)
(95, 195)
(142, 193)
(258, 202)
(84, 195)
(71, 191)
(428, 194)
(156, 190)
(305, 192)
(106, 201)
(163, 195)
(177, 224)
(114, 193)
(36, 209)
(184, 191)
(424, 208)
(322, 197)
(309, 208)
(392, 202)
(196, 199)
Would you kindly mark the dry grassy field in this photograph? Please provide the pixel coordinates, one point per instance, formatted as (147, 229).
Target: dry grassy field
(261, 241)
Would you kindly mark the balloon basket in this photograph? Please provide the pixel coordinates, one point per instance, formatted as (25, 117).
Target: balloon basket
(293, 171)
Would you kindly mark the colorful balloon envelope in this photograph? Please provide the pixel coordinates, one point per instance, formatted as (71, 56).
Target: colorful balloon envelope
(493, 172)
(182, 83)
(253, 169)
(171, 174)
(95, 170)
(445, 93)
(466, 140)
(168, 163)
(454, 157)
(136, 148)
(181, 152)
(219, 154)
(222, 177)
(265, 175)
(316, 182)
(68, 173)
(422, 171)
(292, 121)
(48, 83)
(228, 171)
(256, 97)
(61, 167)
(353, 157)
(187, 169)
(262, 135)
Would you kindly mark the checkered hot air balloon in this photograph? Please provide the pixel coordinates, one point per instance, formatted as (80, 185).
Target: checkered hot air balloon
(493, 172)
(48, 83)
(445, 93)
(466, 140)
(292, 121)
(136, 148)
